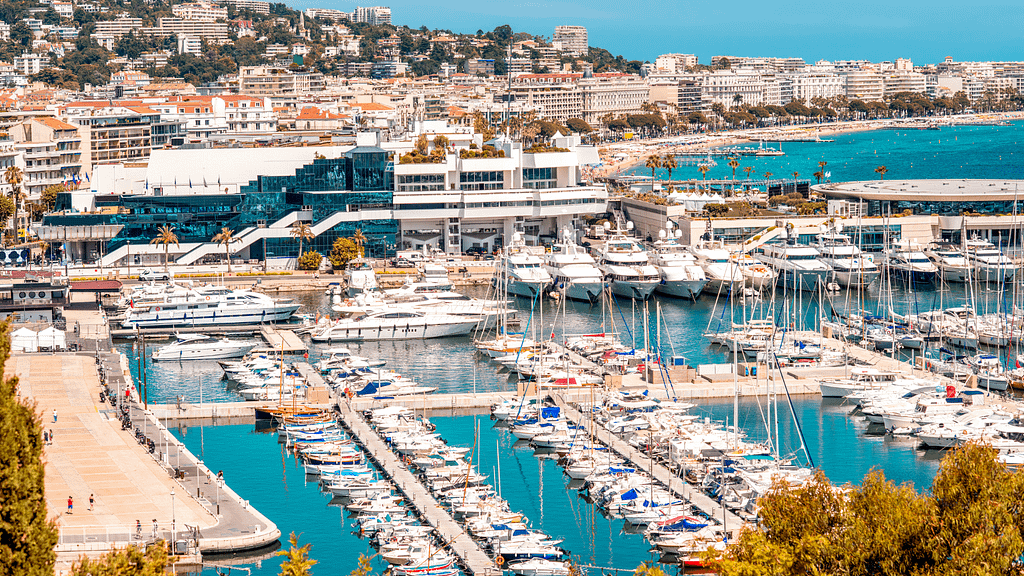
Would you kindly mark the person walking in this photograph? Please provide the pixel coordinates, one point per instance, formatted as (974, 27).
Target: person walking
(92, 502)
(46, 438)
(138, 529)
(156, 528)
(54, 415)
(71, 505)
(51, 435)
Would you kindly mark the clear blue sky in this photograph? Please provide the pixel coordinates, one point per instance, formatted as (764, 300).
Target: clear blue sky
(925, 31)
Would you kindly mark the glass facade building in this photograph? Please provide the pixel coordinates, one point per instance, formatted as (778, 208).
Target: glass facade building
(361, 180)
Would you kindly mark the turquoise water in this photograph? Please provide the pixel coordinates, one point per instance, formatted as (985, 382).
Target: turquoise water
(952, 152)
(259, 469)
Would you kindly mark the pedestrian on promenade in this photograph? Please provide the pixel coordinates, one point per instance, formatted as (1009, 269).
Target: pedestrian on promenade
(71, 505)
(92, 502)
(220, 477)
(138, 529)
(46, 437)
(51, 435)
(54, 415)
(156, 528)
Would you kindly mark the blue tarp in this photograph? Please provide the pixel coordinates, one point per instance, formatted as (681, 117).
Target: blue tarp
(630, 495)
(550, 412)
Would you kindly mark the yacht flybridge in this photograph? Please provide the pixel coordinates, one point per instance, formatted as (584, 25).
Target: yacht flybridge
(626, 267)
(520, 271)
(797, 265)
(573, 270)
(850, 266)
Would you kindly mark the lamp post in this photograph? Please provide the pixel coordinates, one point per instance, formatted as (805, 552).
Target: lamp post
(173, 519)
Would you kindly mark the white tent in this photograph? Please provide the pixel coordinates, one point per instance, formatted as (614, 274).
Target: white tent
(52, 338)
(24, 340)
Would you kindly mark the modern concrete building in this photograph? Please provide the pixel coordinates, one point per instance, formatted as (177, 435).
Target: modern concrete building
(257, 6)
(200, 11)
(571, 40)
(375, 15)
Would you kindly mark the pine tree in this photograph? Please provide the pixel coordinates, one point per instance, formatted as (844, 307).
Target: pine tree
(130, 561)
(27, 538)
(297, 561)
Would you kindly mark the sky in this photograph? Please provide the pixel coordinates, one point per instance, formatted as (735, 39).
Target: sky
(925, 31)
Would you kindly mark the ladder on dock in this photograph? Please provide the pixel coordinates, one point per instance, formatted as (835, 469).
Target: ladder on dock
(675, 484)
(451, 533)
(275, 337)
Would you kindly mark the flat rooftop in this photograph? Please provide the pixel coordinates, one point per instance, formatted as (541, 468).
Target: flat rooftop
(925, 190)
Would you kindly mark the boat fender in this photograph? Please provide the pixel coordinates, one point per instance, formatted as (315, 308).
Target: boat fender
(394, 539)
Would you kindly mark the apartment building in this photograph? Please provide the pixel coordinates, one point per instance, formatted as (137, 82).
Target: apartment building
(257, 6)
(112, 132)
(864, 85)
(65, 10)
(328, 14)
(208, 31)
(732, 87)
(556, 96)
(375, 15)
(29, 64)
(477, 66)
(571, 40)
(902, 81)
(278, 83)
(117, 28)
(761, 64)
(200, 11)
(612, 94)
(204, 117)
(5, 31)
(675, 62)
(51, 151)
(808, 85)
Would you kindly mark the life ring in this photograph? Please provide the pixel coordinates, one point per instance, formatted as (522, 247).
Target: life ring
(394, 539)
(499, 560)
(207, 298)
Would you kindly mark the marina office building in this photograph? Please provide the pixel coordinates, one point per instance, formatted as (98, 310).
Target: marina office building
(260, 194)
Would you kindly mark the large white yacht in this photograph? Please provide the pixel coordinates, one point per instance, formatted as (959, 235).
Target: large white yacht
(722, 273)
(520, 271)
(681, 276)
(755, 274)
(206, 306)
(797, 265)
(626, 267)
(360, 277)
(951, 262)
(573, 270)
(850, 266)
(202, 347)
(989, 264)
(912, 265)
(394, 323)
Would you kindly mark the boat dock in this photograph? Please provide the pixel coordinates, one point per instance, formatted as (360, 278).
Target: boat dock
(730, 521)
(474, 561)
(283, 339)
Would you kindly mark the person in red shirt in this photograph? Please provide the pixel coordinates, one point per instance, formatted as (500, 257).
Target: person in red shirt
(71, 505)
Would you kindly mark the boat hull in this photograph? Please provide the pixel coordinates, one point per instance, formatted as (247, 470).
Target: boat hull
(636, 289)
(848, 278)
(159, 318)
(213, 353)
(681, 288)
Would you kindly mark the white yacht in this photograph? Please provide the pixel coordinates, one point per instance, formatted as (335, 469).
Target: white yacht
(912, 266)
(755, 274)
(395, 323)
(207, 306)
(681, 276)
(573, 270)
(951, 262)
(850, 266)
(797, 265)
(360, 277)
(202, 347)
(626, 267)
(989, 264)
(520, 270)
(433, 274)
(722, 273)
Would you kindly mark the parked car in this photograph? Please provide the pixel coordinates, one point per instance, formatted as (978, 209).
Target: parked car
(402, 263)
(474, 251)
(150, 275)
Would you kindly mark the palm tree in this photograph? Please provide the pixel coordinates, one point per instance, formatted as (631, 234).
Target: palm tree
(821, 166)
(653, 162)
(818, 176)
(748, 170)
(301, 231)
(359, 239)
(14, 178)
(704, 173)
(226, 237)
(768, 176)
(796, 175)
(734, 163)
(669, 163)
(881, 170)
(166, 236)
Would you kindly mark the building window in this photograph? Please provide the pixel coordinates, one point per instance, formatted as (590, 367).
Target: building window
(420, 182)
(485, 180)
(539, 178)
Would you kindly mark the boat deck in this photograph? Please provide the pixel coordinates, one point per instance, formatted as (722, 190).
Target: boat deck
(473, 559)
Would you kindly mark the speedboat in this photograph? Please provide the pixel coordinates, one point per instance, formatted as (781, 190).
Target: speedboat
(360, 277)
(395, 323)
(573, 271)
(539, 567)
(627, 269)
(755, 274)
(202, 347)
(681, 276)
(850, 266)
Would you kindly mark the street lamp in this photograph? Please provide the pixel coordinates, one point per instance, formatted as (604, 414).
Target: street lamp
(173, 518)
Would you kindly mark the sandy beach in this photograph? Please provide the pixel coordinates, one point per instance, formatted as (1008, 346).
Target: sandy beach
(622, 156)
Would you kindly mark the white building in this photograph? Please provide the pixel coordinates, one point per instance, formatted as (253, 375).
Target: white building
(65, 10)
(805, 86)
(117, 28)
(864, 85)
(200, 11)
(375, 15)
(675, 62)
(894, 82)
(52, 152)
(29, 64)
(612, 94)
(732, 87)
(257, 6)
(571, 40)
(5, 31)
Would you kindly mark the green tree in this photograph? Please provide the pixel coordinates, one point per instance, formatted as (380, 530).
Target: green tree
(14, 177)
(166, 236)
(302, 232)
(360, 241)
(27, 538)
(748, 170)
(342, 252)
(226, 237)
(653, 162)
(881, 171)
(128, 561)
(578, 125)
(297, 561)
(703, 169)
(310, 260)
(48, 197)
(669, 163)
(715, 210)
(6, 208)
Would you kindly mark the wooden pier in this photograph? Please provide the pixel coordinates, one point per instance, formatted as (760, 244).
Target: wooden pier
(282, 339)
(731, 522)
(474, 561)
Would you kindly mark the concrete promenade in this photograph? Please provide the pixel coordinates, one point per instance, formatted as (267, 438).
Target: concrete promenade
(452, 534)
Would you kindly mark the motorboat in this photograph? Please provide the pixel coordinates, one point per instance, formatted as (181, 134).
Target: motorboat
(360, 277)
(988, 263)
(433, 274)
(573, 271)
(520, 270)
(951, 262)
(538, 567)
(206, 306)
(202, 347)
(755, 274)
(627, 268)
(850, 266)
(681, 275)
(722, 272)
(797, 266)
(912, 266)
(395, 323)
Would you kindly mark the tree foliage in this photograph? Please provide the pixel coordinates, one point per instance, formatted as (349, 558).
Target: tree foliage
(129, 561)
(6, 208)
(970, 523)
(342, 251)
(27, 537)
(578, 125)
(297, 561)
(48, 197)
(310, 260)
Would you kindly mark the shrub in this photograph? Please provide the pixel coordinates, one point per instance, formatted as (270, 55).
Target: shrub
(310, 260)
